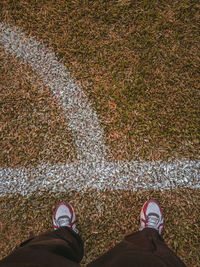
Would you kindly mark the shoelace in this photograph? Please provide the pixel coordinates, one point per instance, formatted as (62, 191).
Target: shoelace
(63, 221)
(152, 221)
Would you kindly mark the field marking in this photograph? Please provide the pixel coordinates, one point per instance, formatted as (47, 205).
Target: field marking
(91, 169)
(82, 176)
(82, 120)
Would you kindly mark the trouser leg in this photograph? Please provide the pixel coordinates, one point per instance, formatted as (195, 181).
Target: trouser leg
(140, 249)
(62, 248)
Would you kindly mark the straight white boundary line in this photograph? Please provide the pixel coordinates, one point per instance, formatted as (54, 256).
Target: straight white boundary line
(91, 171)
(82, 176)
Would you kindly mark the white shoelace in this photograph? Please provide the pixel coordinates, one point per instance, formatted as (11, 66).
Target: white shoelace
(152, 221)
(64, 221)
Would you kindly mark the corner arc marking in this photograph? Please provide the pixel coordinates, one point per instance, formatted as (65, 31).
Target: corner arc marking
(91, 171)
(82, 119)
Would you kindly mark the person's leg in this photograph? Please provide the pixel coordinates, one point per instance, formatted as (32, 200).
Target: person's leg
(143, 248)
(62, 247)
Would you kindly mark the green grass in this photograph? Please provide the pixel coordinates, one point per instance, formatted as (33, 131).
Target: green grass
(143, 56)
(104, 218)
(33, 126)
(138, 63)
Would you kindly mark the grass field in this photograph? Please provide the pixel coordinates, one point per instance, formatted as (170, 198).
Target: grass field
(137, 61)
(104, 218)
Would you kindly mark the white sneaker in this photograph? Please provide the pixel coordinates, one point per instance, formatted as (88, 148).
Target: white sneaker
(64, 216)
(151, 216)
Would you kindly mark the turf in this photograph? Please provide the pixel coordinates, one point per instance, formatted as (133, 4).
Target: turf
(104, 218)
(33, 127)
(137, 61)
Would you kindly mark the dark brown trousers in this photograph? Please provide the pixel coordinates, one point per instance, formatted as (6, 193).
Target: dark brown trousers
(64, 248)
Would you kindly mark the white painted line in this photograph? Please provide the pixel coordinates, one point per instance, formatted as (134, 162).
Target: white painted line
(91, 170)
(82, 120)
(81, 177)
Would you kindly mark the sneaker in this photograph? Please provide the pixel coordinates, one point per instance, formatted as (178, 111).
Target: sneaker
(151, 216)
(64, 216)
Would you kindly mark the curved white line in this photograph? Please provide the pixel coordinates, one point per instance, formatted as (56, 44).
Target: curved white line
(91, 170)
(82, 120)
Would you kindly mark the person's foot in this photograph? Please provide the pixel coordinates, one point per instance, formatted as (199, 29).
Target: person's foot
(151, 216)
(64, 216)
